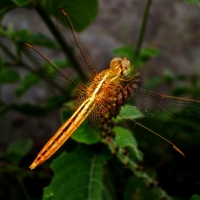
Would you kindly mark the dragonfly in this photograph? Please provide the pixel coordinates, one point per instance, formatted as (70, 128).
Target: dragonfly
(100, 94)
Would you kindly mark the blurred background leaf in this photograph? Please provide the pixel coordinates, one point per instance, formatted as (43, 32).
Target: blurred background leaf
(21, 2)
(193, 1)
(195, 197)
(77, 10)
(17, 150)
(5, 6)
(8, 76)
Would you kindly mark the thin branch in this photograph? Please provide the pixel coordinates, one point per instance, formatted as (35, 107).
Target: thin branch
(134, 167)
(59, 38)
(7, 51)
(21, 184)
(17, 62)
(142, 29)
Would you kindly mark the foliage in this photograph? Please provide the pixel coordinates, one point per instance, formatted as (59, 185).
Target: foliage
(12, 176)
(79, 21)
(193, 1)
(89, 170)
(129, 52)
(195, 197)
(78, 175)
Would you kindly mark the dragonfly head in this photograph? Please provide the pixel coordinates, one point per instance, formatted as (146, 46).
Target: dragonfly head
(122, 64)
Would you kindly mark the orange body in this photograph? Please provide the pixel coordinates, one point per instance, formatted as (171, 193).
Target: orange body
(103, 83)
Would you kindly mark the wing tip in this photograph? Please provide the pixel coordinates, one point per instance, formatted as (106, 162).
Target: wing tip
(63, 11)
(27, 44)
(177, 149)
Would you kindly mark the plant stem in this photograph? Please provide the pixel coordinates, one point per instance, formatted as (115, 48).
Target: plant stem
(66, 48)
(142, 28)
(7, 51)
(134, 167)
(26, 196)
(12, 56)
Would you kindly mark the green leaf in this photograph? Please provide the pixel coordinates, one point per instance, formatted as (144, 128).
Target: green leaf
(17, 150)
(61, 63)
(8, 32)
(148, 53)
(83, 134)
(5, 6)
(195, 197)
(86, 135)
(153, 82)
(43, 40)
(2, 64)
(145, 55)
(105, 194)
(125, 51)
(33, 38)
(8, 76)
(28, 81)
(193, 1)
(21, 2)
(78, 175)
(81, 13)
(22, 35)
(130, 112)
(129, 52)
(125, 139)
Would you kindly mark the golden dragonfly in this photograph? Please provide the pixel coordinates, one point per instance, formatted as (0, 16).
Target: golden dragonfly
(107, 92)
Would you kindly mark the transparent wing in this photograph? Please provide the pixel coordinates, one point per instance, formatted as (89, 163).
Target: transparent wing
(59, 81)
(164, 116)
(84, 64)
(153, 104)
(153, 144)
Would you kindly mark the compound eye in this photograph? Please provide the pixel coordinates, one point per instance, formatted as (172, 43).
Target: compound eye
(126, 66)
(116, 59)
(115, 62)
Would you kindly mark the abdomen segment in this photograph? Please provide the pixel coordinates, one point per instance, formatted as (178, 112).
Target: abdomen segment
(64, 132)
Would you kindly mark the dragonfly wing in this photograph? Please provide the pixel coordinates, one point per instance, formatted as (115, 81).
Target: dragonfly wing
(154, 105)
(154, 145)
(59, 81)
(165, 116)
(85, 66)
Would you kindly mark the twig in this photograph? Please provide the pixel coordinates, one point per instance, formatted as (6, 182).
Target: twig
(142, 29)
(21, 184)
(7, 51)
(60, 39)
(15, 60)
(134, 167)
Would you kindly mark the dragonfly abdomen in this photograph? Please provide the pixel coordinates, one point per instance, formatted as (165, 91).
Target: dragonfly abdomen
(68, 128)
(65, 131)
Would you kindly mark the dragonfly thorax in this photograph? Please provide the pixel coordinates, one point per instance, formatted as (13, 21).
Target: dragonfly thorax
(120, 64)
